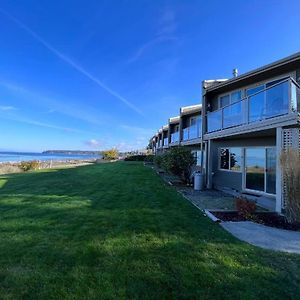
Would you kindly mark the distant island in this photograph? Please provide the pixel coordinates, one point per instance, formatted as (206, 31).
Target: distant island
(72, 152)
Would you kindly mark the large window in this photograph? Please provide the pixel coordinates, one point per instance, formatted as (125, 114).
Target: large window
(197, 156)
(230, 98)
(231, 159)
(224, 100)
(194, 121)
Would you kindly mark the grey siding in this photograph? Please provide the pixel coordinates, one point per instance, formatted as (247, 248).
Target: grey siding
(230, 179)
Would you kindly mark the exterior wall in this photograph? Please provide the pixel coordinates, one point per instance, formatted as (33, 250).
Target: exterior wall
(214, 99)
(232, 179)
(264, 133)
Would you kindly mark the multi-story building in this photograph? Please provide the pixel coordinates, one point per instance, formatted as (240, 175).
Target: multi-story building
(243, 126)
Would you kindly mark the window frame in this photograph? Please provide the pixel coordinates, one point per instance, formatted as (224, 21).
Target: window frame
(195, 154)
(230, 97)
(229, 162)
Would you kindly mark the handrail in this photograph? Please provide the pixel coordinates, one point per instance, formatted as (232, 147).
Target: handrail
(265, 89)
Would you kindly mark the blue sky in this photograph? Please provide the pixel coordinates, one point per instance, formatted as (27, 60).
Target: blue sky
(100, 74)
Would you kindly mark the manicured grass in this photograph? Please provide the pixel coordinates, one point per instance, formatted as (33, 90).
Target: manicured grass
(116, 231)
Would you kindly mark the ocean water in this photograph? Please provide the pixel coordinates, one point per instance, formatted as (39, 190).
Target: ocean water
(22, 156)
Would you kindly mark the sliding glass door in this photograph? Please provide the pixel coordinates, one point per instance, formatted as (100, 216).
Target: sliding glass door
(260, 169)
(255, 169)
(271, 170)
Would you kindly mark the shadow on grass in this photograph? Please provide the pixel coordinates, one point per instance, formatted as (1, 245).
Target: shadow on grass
(119, 232)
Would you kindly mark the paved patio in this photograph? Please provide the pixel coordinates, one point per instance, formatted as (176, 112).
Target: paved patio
(208, 199)
(264, 236)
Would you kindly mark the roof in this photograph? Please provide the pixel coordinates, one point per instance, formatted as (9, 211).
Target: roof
(187, 110)
(278, 66)
(165, 127)
(174, 120)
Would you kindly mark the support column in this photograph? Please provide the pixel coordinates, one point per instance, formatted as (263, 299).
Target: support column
(209, 164)
(278, 170)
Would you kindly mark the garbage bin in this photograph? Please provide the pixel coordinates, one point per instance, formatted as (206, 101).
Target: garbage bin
(198, 181)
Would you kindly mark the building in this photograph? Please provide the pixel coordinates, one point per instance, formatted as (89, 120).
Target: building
(246, 122)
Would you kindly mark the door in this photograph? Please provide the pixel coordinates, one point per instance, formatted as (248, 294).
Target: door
(260, 169)
(271, 170)
(255, 168)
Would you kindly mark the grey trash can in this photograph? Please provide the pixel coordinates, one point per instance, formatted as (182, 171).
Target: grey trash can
(198, 181)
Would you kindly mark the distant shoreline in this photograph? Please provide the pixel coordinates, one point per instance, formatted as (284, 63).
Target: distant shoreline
(72, 152)
(16, 157)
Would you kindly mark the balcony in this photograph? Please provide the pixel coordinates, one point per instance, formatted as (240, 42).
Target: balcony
(192, 132)
(175, 137)
(277, 100)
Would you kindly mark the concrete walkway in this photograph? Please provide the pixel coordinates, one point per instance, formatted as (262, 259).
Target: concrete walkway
(264, 236)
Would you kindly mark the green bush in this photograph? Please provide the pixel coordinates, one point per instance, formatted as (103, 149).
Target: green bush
(138, 157)
(110, 154)
(29, 165)
(179, 161)
(149, 158)
(158, 160)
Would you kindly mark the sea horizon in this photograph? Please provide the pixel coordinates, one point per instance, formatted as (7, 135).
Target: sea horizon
(18, 156)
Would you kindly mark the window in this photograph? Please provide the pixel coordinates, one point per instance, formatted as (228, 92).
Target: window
(236, 96)
(235, 159)
(224, 159)
(230, 98)
(254, 90)
(231, 159)
(194, 121)
(197, 156)
(224, 100)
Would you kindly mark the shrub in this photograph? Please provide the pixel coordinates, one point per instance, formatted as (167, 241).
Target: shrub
(245, 207)
(158, 159)
(137, 157)
(179, 161)
(30, 165)
(149, 158)
(290, 162)
(110, 154)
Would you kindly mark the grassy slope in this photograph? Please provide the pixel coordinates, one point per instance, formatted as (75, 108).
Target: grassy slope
(116, 231)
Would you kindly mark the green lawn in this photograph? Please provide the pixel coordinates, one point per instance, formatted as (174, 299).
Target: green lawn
(116, 231)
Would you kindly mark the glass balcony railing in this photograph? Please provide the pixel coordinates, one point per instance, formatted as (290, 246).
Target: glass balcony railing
(175, 137)
(192, 132)
(166, 141)
(214, 121)
(186, 134)
(277, 100)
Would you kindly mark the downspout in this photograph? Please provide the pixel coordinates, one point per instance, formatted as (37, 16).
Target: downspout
(203, 114)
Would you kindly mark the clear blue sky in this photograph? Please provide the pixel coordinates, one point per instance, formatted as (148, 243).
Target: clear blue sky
(96, 74)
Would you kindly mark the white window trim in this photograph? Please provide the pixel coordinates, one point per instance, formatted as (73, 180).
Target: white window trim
(229, 170)
(263, 193)
(194, 152)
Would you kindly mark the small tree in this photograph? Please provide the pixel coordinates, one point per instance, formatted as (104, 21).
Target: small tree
(29, 165)
(290, 162)
(110, 154)
(179, 161)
